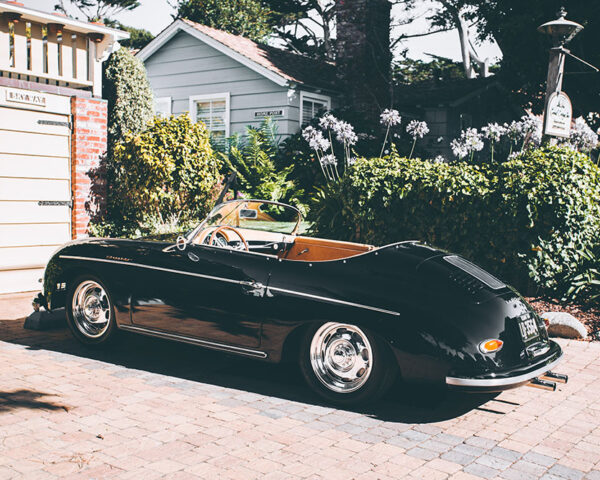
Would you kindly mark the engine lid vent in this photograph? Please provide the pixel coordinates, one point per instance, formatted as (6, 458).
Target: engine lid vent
(475, 271)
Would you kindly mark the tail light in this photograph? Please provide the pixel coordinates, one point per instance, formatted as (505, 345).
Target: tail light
(490, 346)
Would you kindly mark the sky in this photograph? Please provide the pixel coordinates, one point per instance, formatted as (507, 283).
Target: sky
(155, 15)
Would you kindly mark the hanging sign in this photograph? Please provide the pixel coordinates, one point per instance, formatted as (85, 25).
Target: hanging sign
(559, 114)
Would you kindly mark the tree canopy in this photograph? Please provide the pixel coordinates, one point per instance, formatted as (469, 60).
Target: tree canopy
(249, 18)
(95, 10)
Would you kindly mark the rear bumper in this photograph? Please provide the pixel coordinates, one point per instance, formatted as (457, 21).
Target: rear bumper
(495, 382)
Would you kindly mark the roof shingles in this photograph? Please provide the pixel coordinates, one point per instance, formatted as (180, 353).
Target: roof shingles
(293, 67)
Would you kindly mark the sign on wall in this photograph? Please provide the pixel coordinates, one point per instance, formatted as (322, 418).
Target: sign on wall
(28, 97)
(559, 114)
(268, 113)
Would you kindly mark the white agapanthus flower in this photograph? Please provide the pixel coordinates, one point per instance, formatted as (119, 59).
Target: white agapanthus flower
(439, 159)
(493, 132)
(390, 117)
(315, 139)
(458, 148)
(472, 140)
(328, 121)
(417, 129)
(533, 126)
(345, 133)
(327, 160)
(351, 160)
(582, 137)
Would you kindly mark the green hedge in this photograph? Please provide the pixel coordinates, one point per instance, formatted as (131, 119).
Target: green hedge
(163, 178)
(529, 219)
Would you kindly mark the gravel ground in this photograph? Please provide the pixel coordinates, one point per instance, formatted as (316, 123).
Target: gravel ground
(590, 317)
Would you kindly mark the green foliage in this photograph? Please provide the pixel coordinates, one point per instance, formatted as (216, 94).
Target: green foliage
(253, 158)
(166, 175)
(96, 10)
(248, 18)
(130, 98)
(138, 37)
(529, 220)
(408, 71)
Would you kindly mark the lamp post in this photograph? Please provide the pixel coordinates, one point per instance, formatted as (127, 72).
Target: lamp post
(562, 32)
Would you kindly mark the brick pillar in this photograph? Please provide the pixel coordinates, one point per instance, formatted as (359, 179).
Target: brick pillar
(88, 144)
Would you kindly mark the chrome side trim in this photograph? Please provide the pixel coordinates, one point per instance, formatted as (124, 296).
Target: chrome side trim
(239, 282)
(500, 382)
(195, 341)
(151, 267)
(333, 300)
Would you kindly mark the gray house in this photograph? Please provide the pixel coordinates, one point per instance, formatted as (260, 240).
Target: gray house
(230, 82)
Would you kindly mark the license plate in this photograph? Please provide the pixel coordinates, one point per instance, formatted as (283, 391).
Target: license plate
(528, 328)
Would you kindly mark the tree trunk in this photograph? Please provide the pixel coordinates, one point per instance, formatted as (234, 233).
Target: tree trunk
(363, 55)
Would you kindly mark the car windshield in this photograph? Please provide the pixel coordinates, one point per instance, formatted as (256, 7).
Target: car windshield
(255, 215)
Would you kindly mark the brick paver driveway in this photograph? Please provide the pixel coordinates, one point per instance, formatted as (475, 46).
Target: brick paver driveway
(148, 408)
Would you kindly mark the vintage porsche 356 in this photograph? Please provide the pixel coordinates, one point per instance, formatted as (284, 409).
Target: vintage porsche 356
(354, 316)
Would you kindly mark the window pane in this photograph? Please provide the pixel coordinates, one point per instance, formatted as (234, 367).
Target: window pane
(310, 108)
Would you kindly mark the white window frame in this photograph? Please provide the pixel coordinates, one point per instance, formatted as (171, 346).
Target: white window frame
(312, 96)
(167, 101)
(211, 96)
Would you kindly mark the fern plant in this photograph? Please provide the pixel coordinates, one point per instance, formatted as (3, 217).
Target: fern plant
(252, 157)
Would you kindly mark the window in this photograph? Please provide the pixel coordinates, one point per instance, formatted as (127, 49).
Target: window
(162, 106)
(311, 104)
(213, 110)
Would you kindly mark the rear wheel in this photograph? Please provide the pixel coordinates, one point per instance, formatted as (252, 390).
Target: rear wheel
(90, 311)
(346, 364)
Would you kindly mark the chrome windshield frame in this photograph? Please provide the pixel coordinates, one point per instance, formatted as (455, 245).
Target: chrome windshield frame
(191, 235)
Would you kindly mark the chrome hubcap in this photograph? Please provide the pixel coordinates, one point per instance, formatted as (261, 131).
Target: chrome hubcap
(341, 357)
(91, 309)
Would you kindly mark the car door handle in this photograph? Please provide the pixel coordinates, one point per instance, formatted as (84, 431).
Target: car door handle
(256, 289)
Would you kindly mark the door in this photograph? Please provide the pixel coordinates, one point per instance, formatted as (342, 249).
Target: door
(35, 194)
(204, 292)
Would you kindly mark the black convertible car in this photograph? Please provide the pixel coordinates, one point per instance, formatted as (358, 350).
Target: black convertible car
(354, 316)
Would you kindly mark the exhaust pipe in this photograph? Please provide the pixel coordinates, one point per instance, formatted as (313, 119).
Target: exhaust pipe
(555, 377)
(543, 384)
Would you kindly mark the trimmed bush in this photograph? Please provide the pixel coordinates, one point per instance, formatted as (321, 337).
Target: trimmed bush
(167, 174)
(529, 220)
(130, 98)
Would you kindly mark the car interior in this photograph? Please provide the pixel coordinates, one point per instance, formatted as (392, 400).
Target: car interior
(248, 225)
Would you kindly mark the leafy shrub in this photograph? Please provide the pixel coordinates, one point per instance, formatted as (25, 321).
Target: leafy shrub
(164, 175)
(529, 219)
(130, 98)
(253, 158)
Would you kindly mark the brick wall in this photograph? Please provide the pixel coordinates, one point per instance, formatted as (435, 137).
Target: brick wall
(88, 144)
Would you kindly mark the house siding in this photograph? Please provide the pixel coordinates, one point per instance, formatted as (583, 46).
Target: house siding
(186, 67)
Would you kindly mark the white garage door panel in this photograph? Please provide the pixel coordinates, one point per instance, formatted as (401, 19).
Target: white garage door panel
(34, 189)
(33, 144)
(37, 122)
(31, 212)
(34, 167)
(21, 280)
(12, 257)
(32, 234)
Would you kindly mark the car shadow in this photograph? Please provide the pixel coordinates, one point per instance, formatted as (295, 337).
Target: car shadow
(404, 403)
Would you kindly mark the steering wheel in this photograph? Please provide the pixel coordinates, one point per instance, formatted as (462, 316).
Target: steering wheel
(234, 230)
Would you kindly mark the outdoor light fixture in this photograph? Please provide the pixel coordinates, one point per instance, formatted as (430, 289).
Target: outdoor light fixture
(12, 17)
(561, 30)
(95, 37)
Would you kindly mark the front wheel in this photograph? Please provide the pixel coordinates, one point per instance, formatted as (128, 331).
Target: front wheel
(345, 364)
(90, 311)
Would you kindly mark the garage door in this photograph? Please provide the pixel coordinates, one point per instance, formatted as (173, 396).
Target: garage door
(35, 194)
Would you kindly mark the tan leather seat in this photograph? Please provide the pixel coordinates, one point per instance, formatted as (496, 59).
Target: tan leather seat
(309, 249)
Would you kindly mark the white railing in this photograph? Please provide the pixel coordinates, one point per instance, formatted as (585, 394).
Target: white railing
(45, 52)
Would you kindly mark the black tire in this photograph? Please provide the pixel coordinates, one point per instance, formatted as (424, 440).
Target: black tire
(96, 333)
(382, 365)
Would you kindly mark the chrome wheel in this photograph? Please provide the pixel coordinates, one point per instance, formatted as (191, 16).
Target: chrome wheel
(91, 309)
(341, 357)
